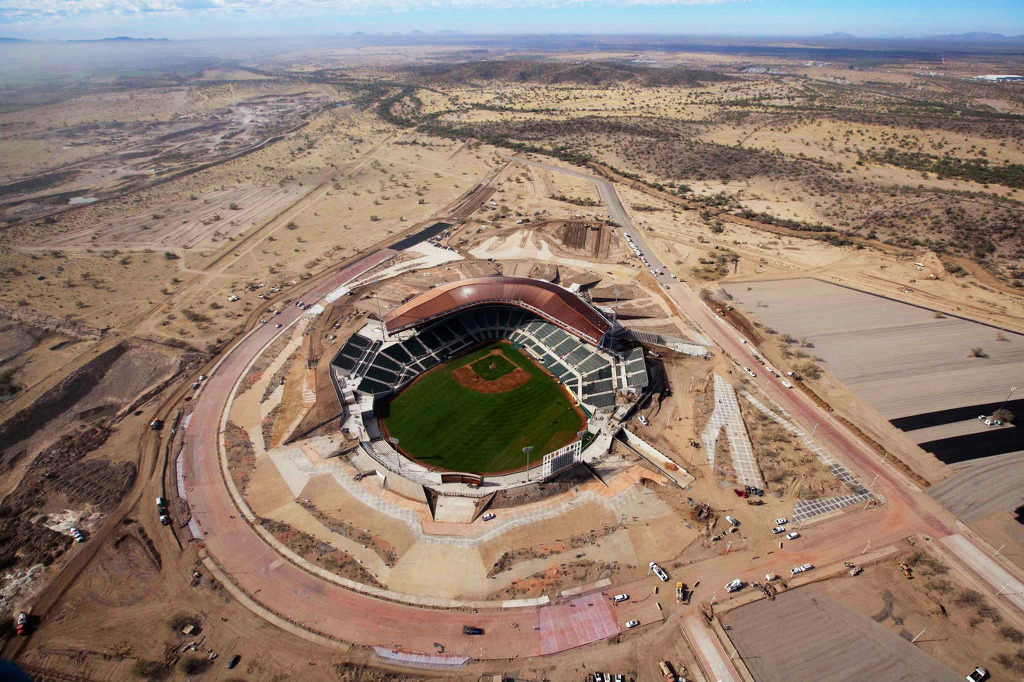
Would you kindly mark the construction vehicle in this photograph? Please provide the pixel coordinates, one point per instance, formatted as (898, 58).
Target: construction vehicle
(472, 630)
(755, 502)
(682, 593)
(856, 570)
(21, 624)
(906, 570)
(156, 424)
(666, 670)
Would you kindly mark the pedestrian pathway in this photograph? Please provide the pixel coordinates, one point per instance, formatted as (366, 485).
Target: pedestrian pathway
(296, 468)
(727, 416)
(806, 509)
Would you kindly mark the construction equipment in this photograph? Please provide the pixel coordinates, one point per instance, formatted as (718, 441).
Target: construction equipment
(755, 502)
(666, 670)
(906, 570)
(682, 594)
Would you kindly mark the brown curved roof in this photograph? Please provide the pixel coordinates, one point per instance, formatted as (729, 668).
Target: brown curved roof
(550, 300)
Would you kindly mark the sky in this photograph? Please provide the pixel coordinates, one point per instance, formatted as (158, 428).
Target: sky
(186, 19)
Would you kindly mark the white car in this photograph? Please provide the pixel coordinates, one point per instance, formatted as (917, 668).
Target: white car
(778, 529)
(232, 298)
(659, 571)
(781, 522)
(749, 371)
(488, 516)
(77, 535)
(734, 586)
(993, 422)
(732, 521)
(793, 536)
(787, 384)
(797, 569)
(620, 598)
(977, 675)
(632, 623)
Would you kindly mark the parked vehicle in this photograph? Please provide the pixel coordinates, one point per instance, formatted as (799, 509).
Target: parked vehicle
(488, 516)
(620, 598)
(749, 371)
(793, 536)
(732, 521)
(234, 661)
(787, 384)
(472, 630)
(632, 624)
(659, 571)
(734, 586)
(21, 624)
(977, 675)
(778, 529)
(781, 521)
(643, 420)
(76, 534)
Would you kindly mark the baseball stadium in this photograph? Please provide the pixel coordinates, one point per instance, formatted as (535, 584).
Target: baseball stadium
(484, 376)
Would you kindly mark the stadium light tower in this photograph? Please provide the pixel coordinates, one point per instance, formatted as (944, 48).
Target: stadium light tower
(528, 449)
(383, 329)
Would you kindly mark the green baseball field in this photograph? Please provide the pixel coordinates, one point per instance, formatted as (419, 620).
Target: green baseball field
(476, 413)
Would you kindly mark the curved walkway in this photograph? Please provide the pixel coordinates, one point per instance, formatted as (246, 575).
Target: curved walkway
(325, 607)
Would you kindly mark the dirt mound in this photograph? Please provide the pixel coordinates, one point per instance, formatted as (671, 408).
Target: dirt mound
(102, 386)
(474, 382)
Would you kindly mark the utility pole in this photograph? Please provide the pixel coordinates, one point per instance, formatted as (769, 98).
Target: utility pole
(528, 449)
(918, 636)
(1007, 399)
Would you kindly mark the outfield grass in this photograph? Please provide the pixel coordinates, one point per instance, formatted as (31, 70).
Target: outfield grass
(446, 425)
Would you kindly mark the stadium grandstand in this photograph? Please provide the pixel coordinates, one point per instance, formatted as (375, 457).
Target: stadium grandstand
(557, 328)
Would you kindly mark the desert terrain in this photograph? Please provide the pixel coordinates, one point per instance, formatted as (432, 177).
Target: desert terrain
(857, 224)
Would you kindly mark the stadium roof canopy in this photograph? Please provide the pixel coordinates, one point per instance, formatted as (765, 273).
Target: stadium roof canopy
(548, 300)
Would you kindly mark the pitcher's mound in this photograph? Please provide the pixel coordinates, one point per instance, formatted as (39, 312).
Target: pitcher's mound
(467, 376)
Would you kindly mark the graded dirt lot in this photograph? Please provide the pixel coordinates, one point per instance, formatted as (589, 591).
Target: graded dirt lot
(903, 360)
(806, 634)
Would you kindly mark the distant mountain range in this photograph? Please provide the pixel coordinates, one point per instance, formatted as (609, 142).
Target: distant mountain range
(959, 40)
(118, 39)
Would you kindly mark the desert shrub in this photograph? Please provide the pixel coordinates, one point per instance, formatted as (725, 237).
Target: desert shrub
(196, 665)
(1012, 634)
(969, 598)
(152, 670)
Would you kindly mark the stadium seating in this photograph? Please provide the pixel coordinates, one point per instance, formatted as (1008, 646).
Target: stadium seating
(592, 376)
